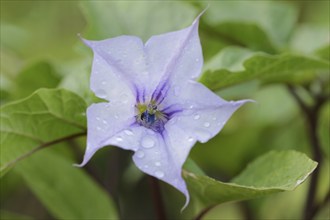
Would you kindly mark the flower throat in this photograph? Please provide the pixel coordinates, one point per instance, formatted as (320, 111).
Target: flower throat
(149, 116)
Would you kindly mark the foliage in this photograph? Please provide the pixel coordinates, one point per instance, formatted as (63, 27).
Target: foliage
(272, 52)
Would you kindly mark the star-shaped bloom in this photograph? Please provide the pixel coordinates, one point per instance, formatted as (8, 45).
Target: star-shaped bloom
(155, 107)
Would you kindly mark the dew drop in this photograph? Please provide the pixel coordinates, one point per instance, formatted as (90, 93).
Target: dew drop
(149, 131)
(97, 118)
(158, 164)
(190, 139)
(159, 174)
(148, 142)
(207, 124)
(196, 117)
(119, 139)
(176, 91)
(128, 132)
(197, 60)
(203, 134)
(140, 154)
(105, 122)
(146, 166)
(214, 118)
(98, 128)
(124, 98)
(101, 93)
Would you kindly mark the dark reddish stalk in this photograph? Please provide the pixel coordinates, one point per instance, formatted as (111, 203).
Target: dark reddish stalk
(203, 212)
(311, 115)
(157, 198)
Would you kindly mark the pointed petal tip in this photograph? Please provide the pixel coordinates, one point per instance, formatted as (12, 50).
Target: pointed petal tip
(79, 165)
(186, 203)
(200, 14)
(86, 42)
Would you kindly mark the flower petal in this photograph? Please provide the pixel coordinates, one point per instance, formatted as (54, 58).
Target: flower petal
(162, 155)
(119, 65)
(175, 56)
(203, 113)
(105, 120)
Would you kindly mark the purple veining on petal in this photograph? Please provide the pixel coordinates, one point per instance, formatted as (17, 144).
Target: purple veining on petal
(174, 66)
(170, 114)
(137, 95)
(160, 92)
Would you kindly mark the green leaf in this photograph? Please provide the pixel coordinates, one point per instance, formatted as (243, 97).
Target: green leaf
(6, 215)
(65, 190)
(308, 38)
(145, 18)
(324, 52)
(38, 29)
(273, 172)
(43, 118)
(39, 75)
(259, 25)
(236, 65)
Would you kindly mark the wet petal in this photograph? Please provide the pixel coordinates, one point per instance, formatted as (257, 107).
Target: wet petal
(162, 155)
(104, 121)
(175, 56)
(203, 114)
(118, 65)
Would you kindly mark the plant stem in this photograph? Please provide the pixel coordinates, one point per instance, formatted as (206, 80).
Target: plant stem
(311, 115)
(44, 145)
(157, 198)
(203, 212)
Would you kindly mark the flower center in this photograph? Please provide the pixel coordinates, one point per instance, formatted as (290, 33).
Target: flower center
(151, 117)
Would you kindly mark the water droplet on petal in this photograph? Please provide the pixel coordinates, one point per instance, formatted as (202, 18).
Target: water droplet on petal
(98, 128)
(204, 135)
(128, 132)
(207, 124)
(101, 93)
(105, 122)
(197, 60)
(214, 118)
(196, 117)
(149, 131)
(148, 142)
(97, 118)
(119, 139)
(158, 164)
(140, 154)
(124, 98)
(146, 166)
(159, 174)
(176, 91)
(190, 139)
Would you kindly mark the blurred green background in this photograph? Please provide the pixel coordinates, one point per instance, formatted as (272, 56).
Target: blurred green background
(40, 48)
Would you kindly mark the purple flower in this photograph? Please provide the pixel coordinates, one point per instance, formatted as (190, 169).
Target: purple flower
(155, 106)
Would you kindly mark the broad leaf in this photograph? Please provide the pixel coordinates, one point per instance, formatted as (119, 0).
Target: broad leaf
(65, 190)
(273, 172)
(235, 65)
(259, 25)
(40, 29)
(113, 18)
(308, 38)
(6, 215)
(43, 118)
(39, 75)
